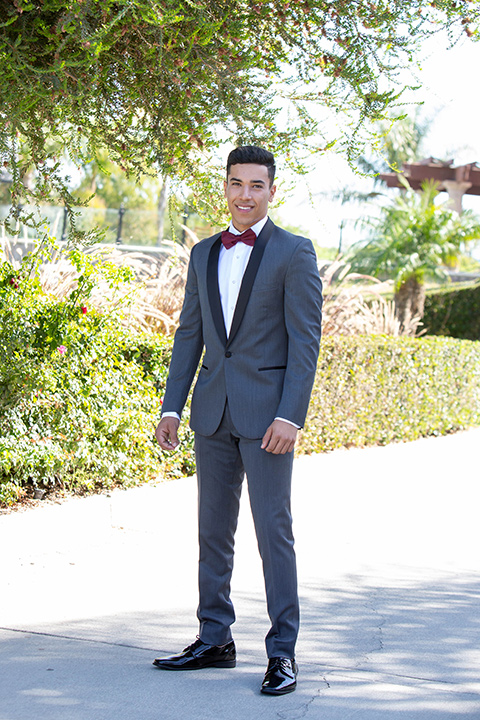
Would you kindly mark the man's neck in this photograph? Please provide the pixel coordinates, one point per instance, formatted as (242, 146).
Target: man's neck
(256, 227)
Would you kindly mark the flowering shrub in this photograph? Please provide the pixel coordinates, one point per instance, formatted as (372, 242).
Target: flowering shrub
(79, 395)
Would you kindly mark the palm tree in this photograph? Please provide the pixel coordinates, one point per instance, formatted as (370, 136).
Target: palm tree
(413, 240)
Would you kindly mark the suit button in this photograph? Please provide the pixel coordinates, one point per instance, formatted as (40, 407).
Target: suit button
(228, 354)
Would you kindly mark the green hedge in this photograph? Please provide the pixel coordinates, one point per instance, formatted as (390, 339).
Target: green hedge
(86, 421)
(454, 312)
(80, 396)
(380, 389)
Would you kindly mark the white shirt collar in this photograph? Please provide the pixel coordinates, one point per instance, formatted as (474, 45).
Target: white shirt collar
(257, 228)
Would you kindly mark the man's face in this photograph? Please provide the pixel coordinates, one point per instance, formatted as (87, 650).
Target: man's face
(248, 193)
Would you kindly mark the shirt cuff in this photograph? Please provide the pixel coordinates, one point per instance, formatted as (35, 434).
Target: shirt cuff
(171, 414)
(289, 422)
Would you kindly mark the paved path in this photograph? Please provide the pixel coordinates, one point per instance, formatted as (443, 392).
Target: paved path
(388, 548)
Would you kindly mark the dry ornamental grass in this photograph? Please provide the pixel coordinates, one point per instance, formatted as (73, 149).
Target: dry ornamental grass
(354, 304)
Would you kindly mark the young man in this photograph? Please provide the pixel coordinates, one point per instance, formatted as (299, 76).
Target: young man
(253, 304)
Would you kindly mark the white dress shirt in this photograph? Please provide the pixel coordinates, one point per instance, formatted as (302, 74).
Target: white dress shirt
(231, 268)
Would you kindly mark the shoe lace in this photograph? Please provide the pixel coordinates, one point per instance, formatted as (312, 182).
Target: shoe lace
(194, 645)
(280, 663)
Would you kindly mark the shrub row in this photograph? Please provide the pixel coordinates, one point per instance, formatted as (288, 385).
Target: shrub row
(380, 389)
(454, 312)
(80, 396)
(86, 421)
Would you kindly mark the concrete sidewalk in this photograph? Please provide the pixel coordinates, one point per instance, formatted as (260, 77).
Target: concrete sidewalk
(389, 567)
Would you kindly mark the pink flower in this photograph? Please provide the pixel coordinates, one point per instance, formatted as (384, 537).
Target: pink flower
(84, 309)
(62, 349)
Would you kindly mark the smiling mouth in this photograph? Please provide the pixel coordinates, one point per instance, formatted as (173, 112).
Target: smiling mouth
(244, 207)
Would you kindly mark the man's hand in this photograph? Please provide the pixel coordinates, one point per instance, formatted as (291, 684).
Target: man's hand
(166, 433)
(279, 438)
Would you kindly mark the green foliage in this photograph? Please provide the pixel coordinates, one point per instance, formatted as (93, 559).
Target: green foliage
(112, 188)
(162, 83)
(77, 420)
(468, 264)
(380, 389)
(401, 141)
(79, 396)
(414, 238)
(454, 312)
(33, 320)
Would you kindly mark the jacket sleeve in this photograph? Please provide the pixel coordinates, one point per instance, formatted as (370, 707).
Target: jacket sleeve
(187, 346)
(303, 321)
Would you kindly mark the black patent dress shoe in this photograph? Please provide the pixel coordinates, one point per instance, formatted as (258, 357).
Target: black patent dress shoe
(199, 655)
(281, 676)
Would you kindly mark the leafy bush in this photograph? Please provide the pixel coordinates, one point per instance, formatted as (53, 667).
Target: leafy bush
(378, 389)
(79, 395)
(454, 312)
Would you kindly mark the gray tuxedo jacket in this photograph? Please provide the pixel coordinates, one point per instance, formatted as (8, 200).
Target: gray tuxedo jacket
(266, 366)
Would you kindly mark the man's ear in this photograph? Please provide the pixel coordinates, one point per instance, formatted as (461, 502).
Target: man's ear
(225, 188)
(273, 190)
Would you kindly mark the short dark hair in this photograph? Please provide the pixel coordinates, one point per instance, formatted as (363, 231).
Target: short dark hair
(251, 154)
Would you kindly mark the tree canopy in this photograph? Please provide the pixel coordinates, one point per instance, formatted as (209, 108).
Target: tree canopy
(105, 185)
(403, 141)
(162, 83)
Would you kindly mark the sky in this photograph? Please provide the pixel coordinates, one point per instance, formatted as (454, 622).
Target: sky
(449, 93)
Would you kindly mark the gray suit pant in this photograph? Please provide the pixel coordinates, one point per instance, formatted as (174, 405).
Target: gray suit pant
(222, 461)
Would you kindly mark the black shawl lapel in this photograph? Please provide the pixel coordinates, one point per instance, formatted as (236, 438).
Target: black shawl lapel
(249, 278)
(245, 288)
(214, 291)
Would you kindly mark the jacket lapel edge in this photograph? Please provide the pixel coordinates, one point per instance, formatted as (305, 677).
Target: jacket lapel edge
(249, 278)
(214, 291)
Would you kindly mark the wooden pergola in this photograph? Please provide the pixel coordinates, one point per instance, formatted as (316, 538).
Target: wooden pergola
(456, 181)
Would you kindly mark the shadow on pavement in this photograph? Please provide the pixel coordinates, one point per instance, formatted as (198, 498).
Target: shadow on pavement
(406, 649)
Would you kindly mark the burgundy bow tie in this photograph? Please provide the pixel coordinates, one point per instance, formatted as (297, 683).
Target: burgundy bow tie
(229, 239)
